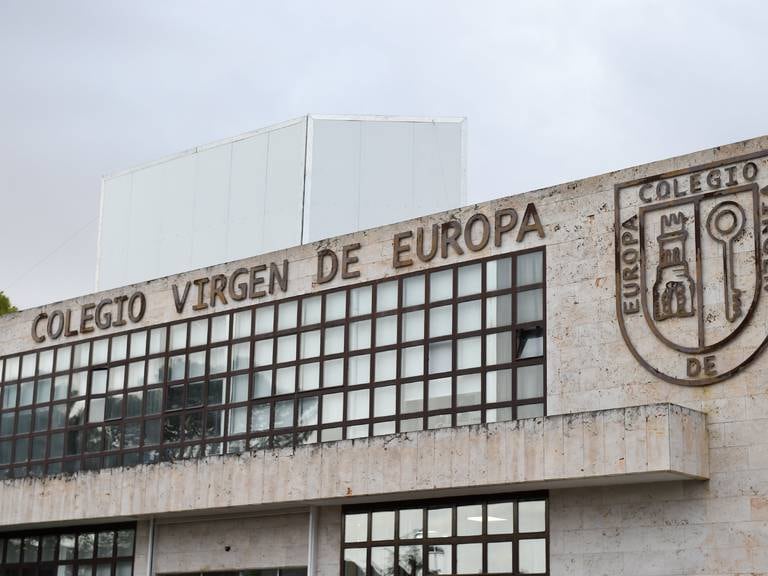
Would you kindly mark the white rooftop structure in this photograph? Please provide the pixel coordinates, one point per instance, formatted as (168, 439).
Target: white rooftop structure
(296, 182)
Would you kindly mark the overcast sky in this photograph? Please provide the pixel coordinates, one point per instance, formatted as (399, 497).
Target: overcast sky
(553, 91)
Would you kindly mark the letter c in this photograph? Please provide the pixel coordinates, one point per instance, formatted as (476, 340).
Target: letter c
(643, 189)
(35, 335)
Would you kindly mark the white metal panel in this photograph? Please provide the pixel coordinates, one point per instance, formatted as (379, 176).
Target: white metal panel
(285, 188)
(301, 180)
(211, 203)
(438, 169)
(386, 192)
(371, 171)
(171, 236)
(113, 237)
(248, 193)
(331, 201)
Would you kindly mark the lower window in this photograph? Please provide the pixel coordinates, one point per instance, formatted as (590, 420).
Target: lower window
(476, 535)
(300, 571)
(71, 551)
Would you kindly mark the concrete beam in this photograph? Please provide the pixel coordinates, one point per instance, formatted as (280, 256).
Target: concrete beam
(649, 443)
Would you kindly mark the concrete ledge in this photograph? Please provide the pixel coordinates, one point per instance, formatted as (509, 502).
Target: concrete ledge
(639, 444)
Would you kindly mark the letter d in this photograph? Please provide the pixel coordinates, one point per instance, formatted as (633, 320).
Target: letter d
(693, 367)
(322, 255)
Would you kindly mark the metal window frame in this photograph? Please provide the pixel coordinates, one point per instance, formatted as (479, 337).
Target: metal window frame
(75, 562)
(78, 436)
(425, 541)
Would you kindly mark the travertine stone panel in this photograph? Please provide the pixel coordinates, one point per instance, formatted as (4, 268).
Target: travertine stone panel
(655, 442)
(329, 541)
(235, 543)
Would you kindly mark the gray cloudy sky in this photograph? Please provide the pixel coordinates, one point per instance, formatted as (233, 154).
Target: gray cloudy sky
(553, 91)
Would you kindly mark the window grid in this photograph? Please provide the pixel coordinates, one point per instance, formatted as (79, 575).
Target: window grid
(229, 382)
(70, 551)
(430, 551)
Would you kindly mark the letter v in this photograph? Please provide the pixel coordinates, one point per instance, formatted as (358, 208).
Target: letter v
(180, 302)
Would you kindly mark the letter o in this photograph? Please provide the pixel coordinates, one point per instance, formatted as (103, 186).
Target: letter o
(486, 228)
(133, 315)
(749, 171)
(629, 257)
(55, 332)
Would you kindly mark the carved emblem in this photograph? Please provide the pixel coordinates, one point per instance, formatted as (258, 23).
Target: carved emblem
(691, 265)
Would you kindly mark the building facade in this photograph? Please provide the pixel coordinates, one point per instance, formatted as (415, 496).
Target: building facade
(563, 382)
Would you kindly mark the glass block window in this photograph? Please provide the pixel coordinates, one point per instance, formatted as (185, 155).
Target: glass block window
(451, 346)
(475, 535)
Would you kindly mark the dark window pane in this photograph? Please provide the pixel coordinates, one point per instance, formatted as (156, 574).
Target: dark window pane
(24, 424)
(21, 450)
(106, 541)
(31, 545)
(57, 445)
(132, 434)
(58, 416)
(154, 400)
(13, 550)
(114, 406)
(214, 426)
(112, 437)
(39, 444)
(193, 426)
(215, 391)
(41, 419)
(133, 404)
(7, 420)
(152, 432)
(5, 452)
(125, 542)
(195, 394)
(94, 440)
(124, 568)
(175, 397)
(48, 552)
(172, 429)
(85, 545)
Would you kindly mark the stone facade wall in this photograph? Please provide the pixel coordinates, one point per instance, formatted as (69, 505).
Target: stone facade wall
(264, 541)
(208, 545)
(714, 527)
